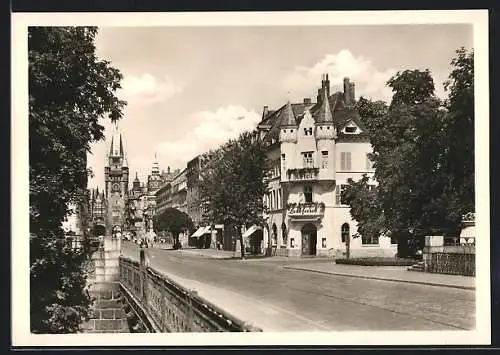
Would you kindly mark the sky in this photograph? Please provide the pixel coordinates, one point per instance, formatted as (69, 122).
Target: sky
(189, 89)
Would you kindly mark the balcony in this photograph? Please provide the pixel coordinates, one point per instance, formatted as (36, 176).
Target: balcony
(303, 174)
(306, 211)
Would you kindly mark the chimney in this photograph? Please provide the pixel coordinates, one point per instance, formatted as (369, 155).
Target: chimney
(325, 85)
(265, 111)
(347, 93)
(307, 100)
(352, 93)
(168, 169)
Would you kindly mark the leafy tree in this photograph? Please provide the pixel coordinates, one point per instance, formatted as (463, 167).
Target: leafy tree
(458, 139)
(233, 182)
(405, 147)
(419, 146)
(174, 221)
(69, 90)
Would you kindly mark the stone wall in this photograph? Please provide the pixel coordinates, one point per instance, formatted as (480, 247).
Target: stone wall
(107, 313)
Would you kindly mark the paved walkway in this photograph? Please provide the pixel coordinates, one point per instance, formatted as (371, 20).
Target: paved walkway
(388, 273)
(327, 266)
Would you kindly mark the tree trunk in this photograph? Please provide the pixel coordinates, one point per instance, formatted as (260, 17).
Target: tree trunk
(242, 245)
(403, 250)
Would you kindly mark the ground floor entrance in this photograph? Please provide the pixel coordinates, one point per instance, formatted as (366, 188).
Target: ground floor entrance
(309, 239)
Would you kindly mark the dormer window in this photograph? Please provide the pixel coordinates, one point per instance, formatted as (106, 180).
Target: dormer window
(350, 129)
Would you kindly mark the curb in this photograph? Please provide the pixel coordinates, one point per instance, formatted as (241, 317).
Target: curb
(383, 278)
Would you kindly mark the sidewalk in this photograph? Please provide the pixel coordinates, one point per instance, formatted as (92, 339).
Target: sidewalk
(388, 273)
(209, 253)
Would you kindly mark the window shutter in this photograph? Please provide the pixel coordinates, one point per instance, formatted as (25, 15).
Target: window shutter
(342, 161)
(337, 194)
(348, 161)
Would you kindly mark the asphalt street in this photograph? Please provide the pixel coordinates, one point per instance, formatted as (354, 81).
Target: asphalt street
(326, 302)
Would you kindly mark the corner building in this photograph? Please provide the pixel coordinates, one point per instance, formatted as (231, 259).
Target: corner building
(314, 149)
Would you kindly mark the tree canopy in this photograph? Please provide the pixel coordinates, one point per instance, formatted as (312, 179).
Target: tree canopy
(233, 182)
(70, 89)
(419, 147)
(174, 221)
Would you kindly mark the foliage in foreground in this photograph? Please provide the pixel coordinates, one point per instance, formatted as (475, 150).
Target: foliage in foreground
(69, 90)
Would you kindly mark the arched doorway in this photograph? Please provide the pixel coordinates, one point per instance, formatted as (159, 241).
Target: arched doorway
(284, 233)
(275, 234)
(309, 239)
(345, 235)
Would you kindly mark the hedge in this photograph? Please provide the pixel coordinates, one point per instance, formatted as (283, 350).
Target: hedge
(376, 261)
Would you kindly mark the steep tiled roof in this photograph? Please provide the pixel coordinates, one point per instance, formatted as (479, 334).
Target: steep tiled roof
(339, 113)
(287, 116)
(324, 113)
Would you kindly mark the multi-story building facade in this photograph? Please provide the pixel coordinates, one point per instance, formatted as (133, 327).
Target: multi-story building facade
(194, 209)
(172, 194)
(314, 149)
(179, 192)
(136, 206)
(97, 211)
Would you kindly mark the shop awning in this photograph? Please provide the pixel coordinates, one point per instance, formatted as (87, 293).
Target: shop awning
(250, 231)
(206, 230)
(198, 232)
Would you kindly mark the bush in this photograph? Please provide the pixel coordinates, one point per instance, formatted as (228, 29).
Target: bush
(376, 261)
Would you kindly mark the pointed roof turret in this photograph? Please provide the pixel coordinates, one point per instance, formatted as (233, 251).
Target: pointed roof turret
(116, 147)
(121, 145)
(155, 170)
(288, 117)
(324, 114)
(136, 177)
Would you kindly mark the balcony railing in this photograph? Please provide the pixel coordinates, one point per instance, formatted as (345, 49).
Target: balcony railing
(302, 174)
(307, 209)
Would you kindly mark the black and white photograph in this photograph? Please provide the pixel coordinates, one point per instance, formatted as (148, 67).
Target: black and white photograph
(293, 178)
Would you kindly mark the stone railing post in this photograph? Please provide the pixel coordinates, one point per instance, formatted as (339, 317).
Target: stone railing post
(144, 262)
(433, 244)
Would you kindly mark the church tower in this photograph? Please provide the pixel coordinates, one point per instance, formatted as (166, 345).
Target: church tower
(116, 183)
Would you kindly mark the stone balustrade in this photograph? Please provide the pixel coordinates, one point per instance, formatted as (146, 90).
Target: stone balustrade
(164, 306)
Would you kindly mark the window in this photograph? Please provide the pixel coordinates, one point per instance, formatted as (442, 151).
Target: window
(350, 129)
(283, 162)
(308, 193)
(324, 159)
(340, 197)
(308, 131)
(308, 159)
(279, 198)
(370, 240)
(344, 232)
(394, 240)
(369, 163)
(345, 161)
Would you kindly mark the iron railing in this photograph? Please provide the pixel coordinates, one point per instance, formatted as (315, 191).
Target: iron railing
(171, 307)
(452, 263)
